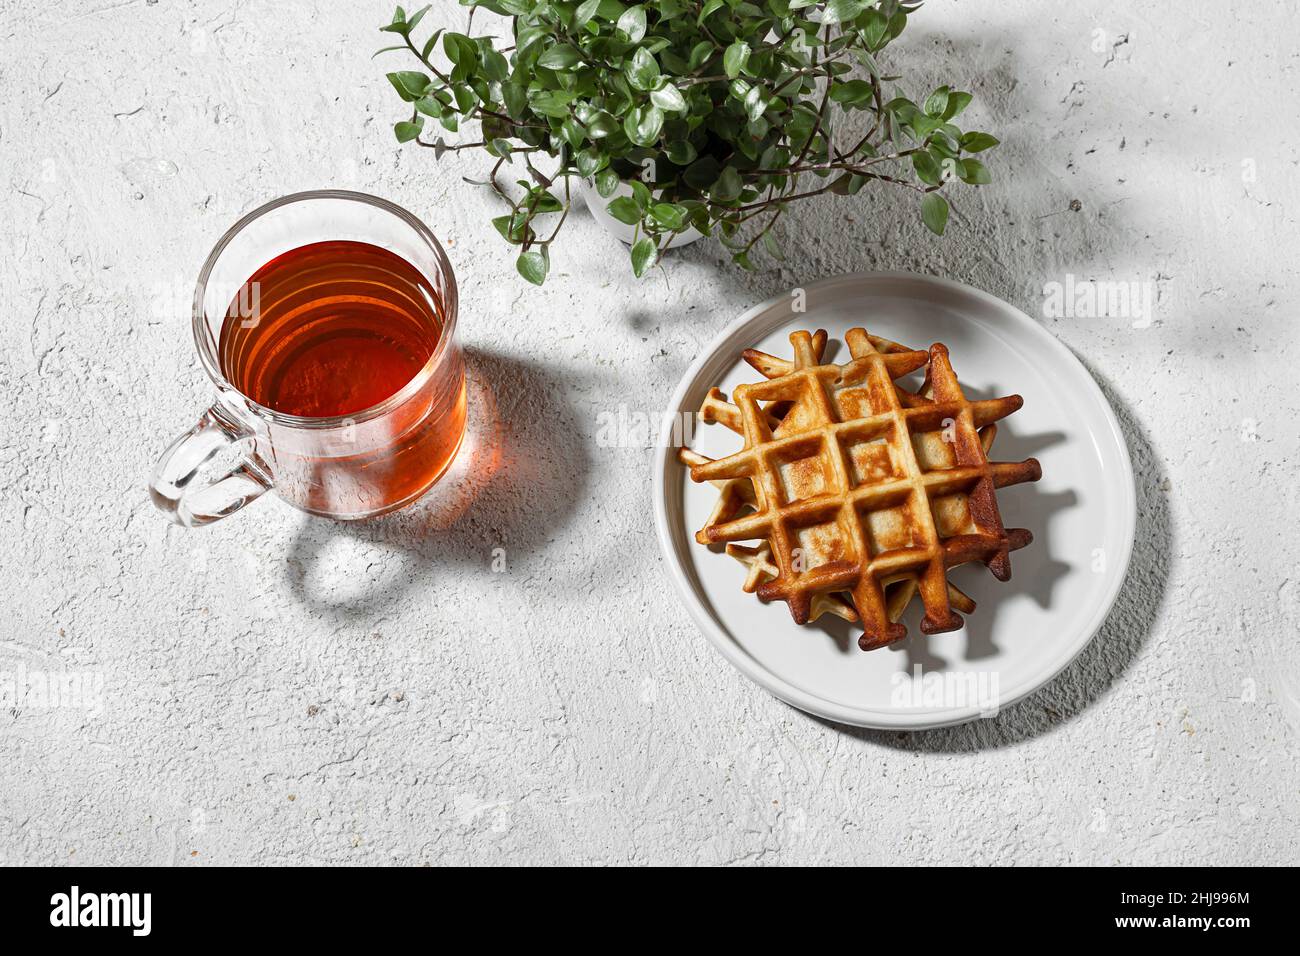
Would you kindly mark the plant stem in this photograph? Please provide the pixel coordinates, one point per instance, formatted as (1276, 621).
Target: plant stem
(425, 60)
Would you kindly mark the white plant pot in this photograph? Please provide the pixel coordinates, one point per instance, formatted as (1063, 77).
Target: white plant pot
(621, 230)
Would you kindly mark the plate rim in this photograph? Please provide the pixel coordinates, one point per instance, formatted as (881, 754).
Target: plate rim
(745, 663)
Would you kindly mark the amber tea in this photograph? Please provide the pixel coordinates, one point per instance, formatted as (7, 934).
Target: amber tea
(330, 330)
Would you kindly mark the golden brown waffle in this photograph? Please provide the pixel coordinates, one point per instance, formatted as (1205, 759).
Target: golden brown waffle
(857, 489)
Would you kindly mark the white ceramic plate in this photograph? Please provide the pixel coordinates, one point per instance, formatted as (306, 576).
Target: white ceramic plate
(1023, 632)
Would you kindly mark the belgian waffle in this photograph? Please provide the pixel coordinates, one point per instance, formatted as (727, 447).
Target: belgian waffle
(860, 493)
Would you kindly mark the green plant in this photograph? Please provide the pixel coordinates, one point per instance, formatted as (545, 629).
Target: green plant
(717, 114)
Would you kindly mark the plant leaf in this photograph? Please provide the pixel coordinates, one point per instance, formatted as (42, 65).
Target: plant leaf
(625, 210)
(429, 43)
(643, 254)
(874, 31)
(632, 23)
(957, 101)
(644, 124)
(937, 102)
(601, 124)
(934, 212)
(974, 172)
(552, 103)
(669, 215)
(700, 54)
(735, 59)
(927, 168)
(709, 7)
(515, 98)
(978, 142)
(452, 46)
(410, 84)
(606, 182)
(841, 11)
(560, 57)
(414, 19)
(495, 66)
(590, 162)
(682, 152)
(399, 24)
(533, 266)
(924, 124)
(514, 228)
(642, 70)
(543, 200)
(407, 131)
(669, 98)
(852, 92)
(728, 185)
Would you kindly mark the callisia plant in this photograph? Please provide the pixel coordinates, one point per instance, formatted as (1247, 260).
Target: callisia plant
(715, 115)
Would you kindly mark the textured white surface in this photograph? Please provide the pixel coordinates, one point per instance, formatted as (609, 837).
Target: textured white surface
(282, 689)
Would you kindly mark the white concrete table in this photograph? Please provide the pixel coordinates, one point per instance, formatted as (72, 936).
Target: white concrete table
(280, 689)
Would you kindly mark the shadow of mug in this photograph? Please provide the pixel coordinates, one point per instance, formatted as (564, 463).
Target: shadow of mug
(521, 472)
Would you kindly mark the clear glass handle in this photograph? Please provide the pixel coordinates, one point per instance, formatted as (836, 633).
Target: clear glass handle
(208, 473)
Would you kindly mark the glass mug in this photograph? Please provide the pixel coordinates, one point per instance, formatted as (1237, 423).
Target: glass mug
(366, 462)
